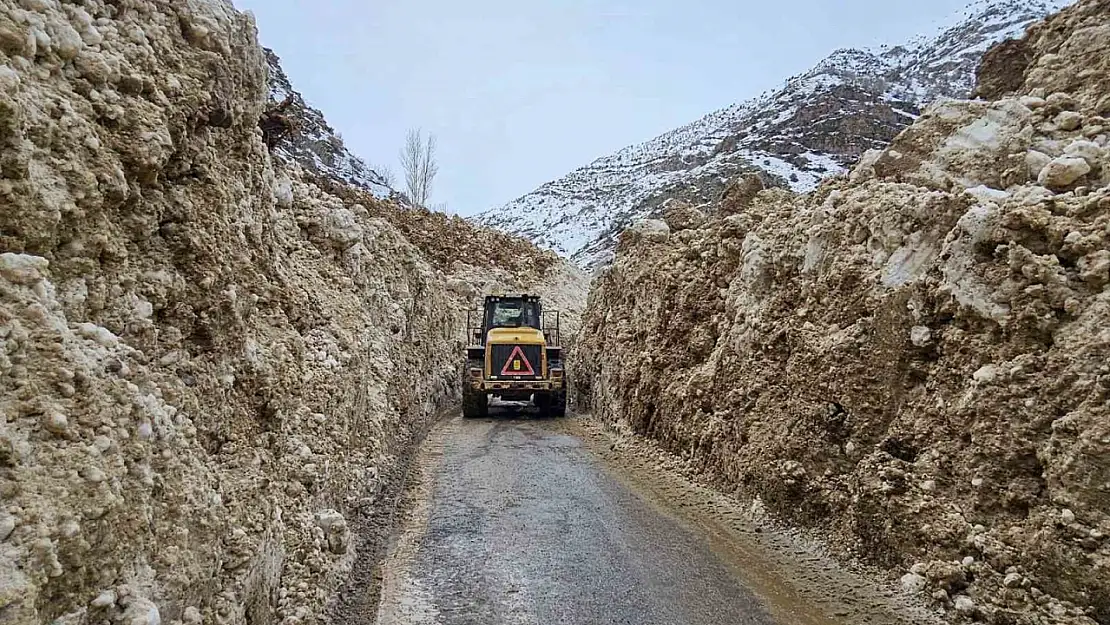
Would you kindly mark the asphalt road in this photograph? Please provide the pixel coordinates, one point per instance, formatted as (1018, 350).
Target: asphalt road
(519, 523)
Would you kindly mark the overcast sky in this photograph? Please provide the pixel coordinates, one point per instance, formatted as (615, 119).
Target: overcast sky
(519, 92)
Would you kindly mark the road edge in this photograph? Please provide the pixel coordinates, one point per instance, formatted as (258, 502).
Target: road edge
(857, 592)
(376, 532)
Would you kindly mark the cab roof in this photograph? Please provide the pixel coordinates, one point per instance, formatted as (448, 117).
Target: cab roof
(523, 296)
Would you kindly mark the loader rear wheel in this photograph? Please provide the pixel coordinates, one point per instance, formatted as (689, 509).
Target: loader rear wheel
(475, 405)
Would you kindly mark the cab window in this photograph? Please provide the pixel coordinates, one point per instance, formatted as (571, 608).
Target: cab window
(514, 314)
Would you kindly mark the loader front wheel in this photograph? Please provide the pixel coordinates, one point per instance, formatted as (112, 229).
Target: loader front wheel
(475, 405)
(558, 407)
(553, 404)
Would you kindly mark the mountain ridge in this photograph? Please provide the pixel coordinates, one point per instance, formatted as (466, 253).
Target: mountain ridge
(815, 125)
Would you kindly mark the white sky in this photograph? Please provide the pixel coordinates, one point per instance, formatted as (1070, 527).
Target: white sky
(519, 92)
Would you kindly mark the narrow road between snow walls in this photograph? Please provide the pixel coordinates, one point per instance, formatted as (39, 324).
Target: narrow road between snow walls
(519, 519)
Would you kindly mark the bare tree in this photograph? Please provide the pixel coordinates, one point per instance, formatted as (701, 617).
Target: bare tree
(386, 174)
(418, 158)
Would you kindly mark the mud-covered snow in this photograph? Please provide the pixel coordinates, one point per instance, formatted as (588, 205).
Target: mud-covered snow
(913, 360)
(209, 356)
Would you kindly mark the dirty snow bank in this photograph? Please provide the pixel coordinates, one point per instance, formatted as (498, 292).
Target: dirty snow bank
(206, 363)
(914, 358)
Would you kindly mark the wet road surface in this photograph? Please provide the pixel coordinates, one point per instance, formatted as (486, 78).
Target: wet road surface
(524, 527)
(516, 521)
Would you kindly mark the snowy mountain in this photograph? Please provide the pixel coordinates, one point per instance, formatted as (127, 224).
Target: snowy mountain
(313, 144)
(816, 125)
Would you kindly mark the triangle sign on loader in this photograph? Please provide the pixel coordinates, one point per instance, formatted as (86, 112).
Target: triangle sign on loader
(517, 364)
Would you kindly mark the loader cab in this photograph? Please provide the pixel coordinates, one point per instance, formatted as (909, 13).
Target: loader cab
(523, 313)
(512, 312)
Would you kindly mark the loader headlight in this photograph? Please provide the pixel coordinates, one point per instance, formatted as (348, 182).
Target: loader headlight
(475, 372)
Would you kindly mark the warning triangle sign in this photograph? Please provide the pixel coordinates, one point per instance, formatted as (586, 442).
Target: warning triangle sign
(517, 364)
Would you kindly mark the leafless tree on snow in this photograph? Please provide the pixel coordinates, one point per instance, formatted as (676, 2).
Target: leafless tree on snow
(418, 158)
(386, 174)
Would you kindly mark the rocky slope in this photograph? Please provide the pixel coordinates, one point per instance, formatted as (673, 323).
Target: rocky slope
(815, 126)
(210, 358)
(313, 144)
(913, 359)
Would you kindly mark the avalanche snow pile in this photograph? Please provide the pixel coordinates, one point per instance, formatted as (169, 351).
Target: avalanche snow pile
(210, 361)
(817, 125)
(914, 359)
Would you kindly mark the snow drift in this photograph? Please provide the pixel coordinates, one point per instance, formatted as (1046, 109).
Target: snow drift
(915, 358)
(209, 363)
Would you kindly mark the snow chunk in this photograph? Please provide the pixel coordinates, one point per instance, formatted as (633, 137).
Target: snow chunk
(981, 133)
(101, 335)
(913, 583)
(985, 374)
(984, 193)
(910, 261)
(964, 604)
(283, 192)
(654, 230)
(105, 599)
(1036, 161)
(23, 269)
(1087, 150)
(1063, 171)
(921, 336)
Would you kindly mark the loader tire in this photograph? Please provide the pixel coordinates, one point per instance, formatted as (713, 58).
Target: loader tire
(552, 404)
(475, 405)
(558, 406)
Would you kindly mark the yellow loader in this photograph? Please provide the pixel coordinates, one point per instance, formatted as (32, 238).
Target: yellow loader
(514, 355)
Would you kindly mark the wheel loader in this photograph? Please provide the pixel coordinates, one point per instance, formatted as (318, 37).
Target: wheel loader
(514, 354)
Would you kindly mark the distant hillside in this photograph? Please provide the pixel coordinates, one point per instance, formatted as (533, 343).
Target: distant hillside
(815, 126)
